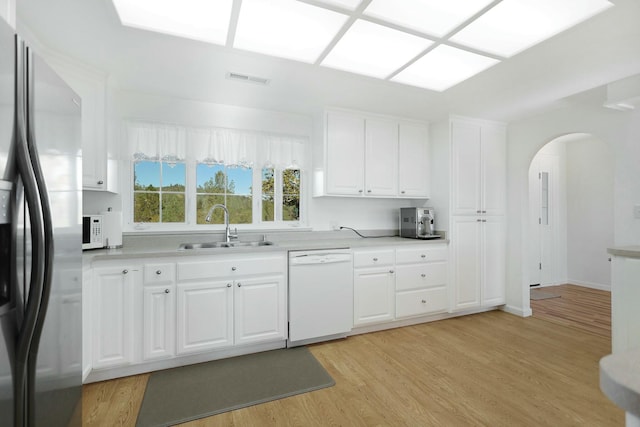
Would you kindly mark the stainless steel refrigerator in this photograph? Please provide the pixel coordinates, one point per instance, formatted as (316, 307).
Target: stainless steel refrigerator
(40, 241)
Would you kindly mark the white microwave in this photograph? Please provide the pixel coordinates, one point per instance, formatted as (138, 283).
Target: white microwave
(92, 232)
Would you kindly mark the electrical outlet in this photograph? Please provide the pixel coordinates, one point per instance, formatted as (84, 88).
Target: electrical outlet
(636, 211)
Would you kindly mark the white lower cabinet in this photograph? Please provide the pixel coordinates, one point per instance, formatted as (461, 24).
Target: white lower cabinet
(113, 320)
(479, 253)
(204, 316)
(373, 295)
(159, 322)
(259, 309)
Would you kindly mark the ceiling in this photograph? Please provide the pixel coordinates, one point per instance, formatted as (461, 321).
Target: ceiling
(585, 58)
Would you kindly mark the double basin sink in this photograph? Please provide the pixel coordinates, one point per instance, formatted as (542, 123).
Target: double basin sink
(212, 245)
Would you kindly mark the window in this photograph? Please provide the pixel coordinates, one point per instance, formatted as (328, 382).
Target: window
(230, 186)
(291, 195)
(159, 192)
(288, 185)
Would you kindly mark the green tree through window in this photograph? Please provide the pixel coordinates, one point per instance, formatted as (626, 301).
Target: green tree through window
(159, 192)
(231, 186)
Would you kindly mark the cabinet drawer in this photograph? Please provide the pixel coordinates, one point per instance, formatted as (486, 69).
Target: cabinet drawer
(373, 258)
(230, 267)
(159, 273)
(421, 301)
(421, 276)
(413, 255)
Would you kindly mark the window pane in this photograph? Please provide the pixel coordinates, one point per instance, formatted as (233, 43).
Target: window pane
(268, 183)
(206, 202)
(172, 207)
(267, 208)
(240, 209)
(291, 195)
(290, 208)
(210, 179)
(146, 176)
(146, 207)
(173, 177)
(239, 180)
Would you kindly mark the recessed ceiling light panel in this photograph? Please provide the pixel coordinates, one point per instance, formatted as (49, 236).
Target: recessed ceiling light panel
(347, 4)
(443, 67)
(434, 17)
(286, 28)
(374, 50)
(203, 20)
(515, 25)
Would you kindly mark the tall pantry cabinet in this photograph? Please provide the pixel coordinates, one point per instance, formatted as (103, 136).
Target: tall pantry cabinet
(477, 208)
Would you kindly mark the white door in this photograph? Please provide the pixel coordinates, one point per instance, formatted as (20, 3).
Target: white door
(542, 174)
(465, 247)
(373, 295)
(493, 255)
(345, 154)
(159, 322)
(204, 316)
(113, 316)
(413, 160)
(381, 154)
(260, 309)
(465, 154)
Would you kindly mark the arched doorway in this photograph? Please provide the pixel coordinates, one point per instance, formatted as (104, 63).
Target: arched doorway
(570, 215)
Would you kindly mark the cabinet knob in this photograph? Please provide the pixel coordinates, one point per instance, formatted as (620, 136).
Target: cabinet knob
(125, 271)
(100, 182)
(478, 211)
(166, 291)
(228, 285)
(391, 271)
(609, 259)
(484, 220)
(478, 220)
(484, 211)
(239, 284)
(233, 269)
(158, 272)
(360, 191)
(368, 191)
(424, 301)
(375, 259)
(423, 275)
(423, 256)
(402, 192)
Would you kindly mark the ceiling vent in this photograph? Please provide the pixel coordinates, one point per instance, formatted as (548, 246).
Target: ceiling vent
(246, 78)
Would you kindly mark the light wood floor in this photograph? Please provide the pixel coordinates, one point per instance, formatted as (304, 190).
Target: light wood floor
(578, 307)
(489, 369)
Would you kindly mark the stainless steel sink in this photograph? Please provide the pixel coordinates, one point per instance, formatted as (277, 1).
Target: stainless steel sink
(211, 245)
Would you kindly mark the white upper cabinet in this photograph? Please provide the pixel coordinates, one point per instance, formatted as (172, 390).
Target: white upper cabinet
(478, 168)
(372, 156)
(381, 158)
(345, 154)
(413, 160)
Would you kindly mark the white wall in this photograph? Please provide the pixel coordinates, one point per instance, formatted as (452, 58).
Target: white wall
(8, 11)
(590, 209)
(619, 130)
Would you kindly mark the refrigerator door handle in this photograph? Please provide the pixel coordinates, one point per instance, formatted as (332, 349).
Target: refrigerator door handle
(31, 322)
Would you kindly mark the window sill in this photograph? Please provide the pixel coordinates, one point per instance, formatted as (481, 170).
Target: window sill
(211, 229)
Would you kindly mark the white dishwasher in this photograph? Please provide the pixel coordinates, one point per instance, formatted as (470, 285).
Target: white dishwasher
(320, 295)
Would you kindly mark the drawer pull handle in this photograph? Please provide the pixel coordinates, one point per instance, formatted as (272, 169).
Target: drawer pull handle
(166, 291)
(125, 271)
(228, 285)
(423, 256)
(423, 275)
(375, 259)
(158, 272)
(424, 301)
(100, 182)
(233, 269)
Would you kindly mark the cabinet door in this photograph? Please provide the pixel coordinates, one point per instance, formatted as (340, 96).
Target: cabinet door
(345, 154)
(493, 255)
(494, 173)
(159, 321)
(113, 316)
(373, 295)
(465, 250)
(413, 160)
(260, 309)
(204, 316)
(465, 156)
(87, 321)
(381, 154)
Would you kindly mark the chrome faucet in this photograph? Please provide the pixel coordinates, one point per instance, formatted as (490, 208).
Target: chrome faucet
(229, 236)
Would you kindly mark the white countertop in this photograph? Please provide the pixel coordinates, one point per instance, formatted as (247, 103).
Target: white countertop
(625, 251)
(620, 379)
(152, 246)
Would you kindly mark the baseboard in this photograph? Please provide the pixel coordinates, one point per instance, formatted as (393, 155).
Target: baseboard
(517, 310)
(590, 285)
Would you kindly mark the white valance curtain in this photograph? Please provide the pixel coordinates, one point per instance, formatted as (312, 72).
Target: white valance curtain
(232, 147)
